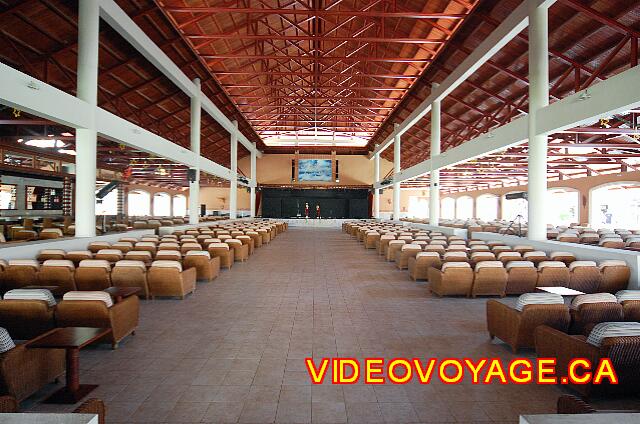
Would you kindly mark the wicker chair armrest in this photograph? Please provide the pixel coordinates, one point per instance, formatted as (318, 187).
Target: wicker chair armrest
(124, 316)
(502, 320)
(552, 343)
(93, 406)
(189, 275)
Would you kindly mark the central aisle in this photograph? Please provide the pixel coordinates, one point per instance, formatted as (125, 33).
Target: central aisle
(235, 350)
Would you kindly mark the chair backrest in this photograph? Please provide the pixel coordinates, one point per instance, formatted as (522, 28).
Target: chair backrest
(58, 263)
(167, 265)
(95, 263)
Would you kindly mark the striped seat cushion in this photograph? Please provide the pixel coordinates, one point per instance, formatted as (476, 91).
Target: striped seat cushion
(31, 294)
(489, 264)
(89, 295)
(582, 264)
(520, 264)
(6, 342)
(592, 298)
(604, 330)
(623, 295)
(611, 262)
(538, 299)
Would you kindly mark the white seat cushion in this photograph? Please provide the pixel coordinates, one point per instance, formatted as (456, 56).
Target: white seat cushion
(448, 265)
(52, 252)
(611, 262)
(95, 263)
(604, 330)
(592, 298)
(109, 252)
(59, 263)
(198, 253)
(167, 264)
(24, 262)
(489, 264)
(89, 295)
(31, 294)
(219, 246)
(551, 264)
(130, 264)
(538, 299)
(138, 253)
(582, 264)
(455, 254)
(428, 255)
(520, 264)
(623, 295)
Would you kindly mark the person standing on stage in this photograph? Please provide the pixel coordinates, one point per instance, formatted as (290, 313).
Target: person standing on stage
(317, 211)
(306, 210)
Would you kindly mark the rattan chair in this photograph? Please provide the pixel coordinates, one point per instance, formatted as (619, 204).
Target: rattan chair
(419, 265)
(490, 279)
(516, 328)
(522, 277)
(455, 278)
(615, 276)
(584, 276)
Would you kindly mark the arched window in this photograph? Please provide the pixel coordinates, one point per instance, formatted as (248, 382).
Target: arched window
(139, 203)
(109, 204)
(418, 206)
(161, 204)
(448, 208)
(179, 205)
(565, 206)
(511, 208)
(487, 207)
(464, 207)
(615, 205)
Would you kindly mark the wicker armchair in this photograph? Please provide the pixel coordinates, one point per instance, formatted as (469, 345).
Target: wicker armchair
(129, 273)
(516, 328)
(207, 268)
(455, 278)
(522, 277)
(490, 279)
(167, 278)
(25, 319)
(624, 353)
(420, 264)
(615, 276)
(584, 276)
(406, 251)
(24, 371)
(587, 314)
(122, 318)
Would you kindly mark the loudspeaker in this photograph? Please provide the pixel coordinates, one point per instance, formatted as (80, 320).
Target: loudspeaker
(293, 169)
(191, 175)
(518, 195)
(106, 189)
(203, 210)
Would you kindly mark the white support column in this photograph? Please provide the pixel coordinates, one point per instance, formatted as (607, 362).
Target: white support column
(194, 187)
(86, 138)
(396, 170)
(434, 177)
(233, 192)
(253, 184)
(376, 191)
(538, 99)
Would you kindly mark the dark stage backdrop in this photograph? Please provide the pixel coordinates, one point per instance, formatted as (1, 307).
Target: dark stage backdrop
(334, 203)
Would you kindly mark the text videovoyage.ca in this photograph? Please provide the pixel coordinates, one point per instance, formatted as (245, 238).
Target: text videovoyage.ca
(456, 370)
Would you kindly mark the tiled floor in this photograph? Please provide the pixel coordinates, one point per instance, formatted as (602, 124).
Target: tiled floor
(233, 352)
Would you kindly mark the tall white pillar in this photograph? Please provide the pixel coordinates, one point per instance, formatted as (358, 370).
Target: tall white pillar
(376, 191)
(233, 192)
(396, 170)
(86, 138)
(434, 178)
(538, 98)
(253, 184)
(194, 186)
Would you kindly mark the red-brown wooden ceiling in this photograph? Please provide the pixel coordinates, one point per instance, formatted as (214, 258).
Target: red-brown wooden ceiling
(256, 66)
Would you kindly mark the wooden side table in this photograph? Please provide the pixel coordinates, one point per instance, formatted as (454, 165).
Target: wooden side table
(71, 339)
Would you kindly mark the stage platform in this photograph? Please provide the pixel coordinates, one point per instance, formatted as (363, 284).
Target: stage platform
(315, 222)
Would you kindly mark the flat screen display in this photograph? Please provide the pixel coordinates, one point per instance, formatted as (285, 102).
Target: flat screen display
(314, 170)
